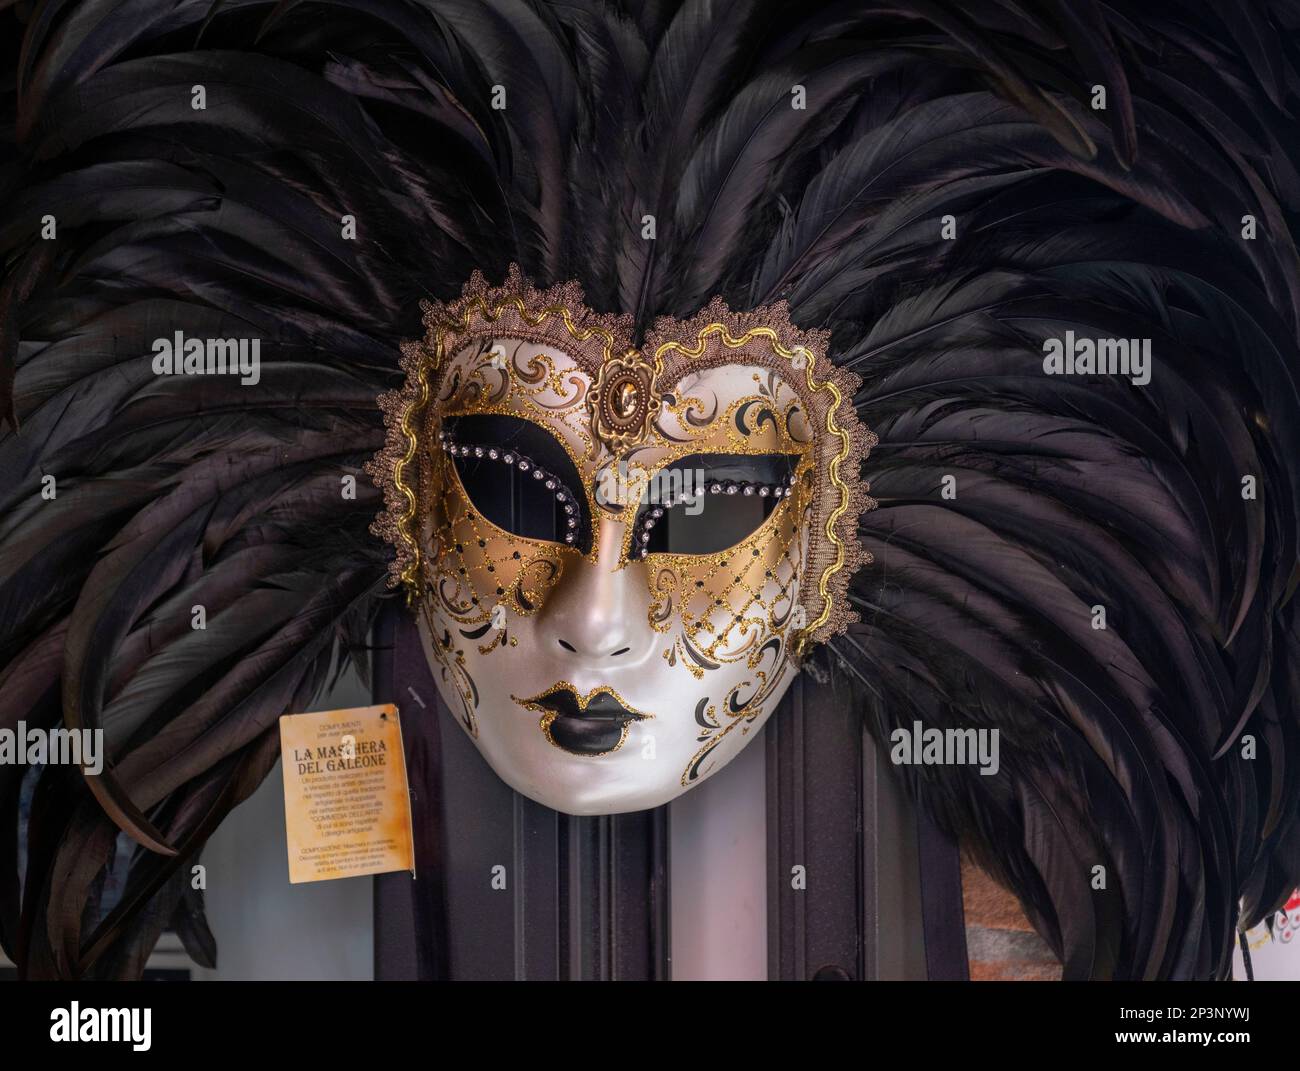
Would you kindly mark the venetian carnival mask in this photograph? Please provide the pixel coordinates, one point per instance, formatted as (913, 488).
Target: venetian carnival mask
(618, 556)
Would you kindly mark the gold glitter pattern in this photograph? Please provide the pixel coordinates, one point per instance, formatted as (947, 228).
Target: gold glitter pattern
(743, 707)
(728, 605)
(475, 566)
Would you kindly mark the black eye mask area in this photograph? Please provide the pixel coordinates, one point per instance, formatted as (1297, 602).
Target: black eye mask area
(519, 477)
(707, 503)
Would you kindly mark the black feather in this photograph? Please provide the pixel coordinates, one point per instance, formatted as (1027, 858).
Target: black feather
(1122, 748)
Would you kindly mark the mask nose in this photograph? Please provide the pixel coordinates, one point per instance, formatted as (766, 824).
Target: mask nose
(599, 611)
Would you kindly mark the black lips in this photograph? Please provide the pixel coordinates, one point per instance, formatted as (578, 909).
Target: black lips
(592, 731)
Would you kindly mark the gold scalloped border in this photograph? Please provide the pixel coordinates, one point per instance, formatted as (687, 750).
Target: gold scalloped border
(388, 467)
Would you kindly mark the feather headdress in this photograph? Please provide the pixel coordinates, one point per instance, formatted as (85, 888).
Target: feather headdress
(945, 188)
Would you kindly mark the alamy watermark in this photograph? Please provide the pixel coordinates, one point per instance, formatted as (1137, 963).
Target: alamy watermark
(1071, 356)
(75, 1023)
(919, 746)
(667, 487)
(181, 356)
(31, 745)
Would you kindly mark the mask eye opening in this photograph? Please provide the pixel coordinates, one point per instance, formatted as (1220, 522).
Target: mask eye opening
(743, 491)
(515, 476)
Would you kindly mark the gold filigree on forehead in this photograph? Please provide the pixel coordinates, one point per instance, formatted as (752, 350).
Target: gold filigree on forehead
(541, 386)
(630, 387)
(686, 427)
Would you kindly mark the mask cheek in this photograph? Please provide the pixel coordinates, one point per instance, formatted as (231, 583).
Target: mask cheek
(731, 620)
(725, 607)
(740, 697)
(480, 585)
(477, 567)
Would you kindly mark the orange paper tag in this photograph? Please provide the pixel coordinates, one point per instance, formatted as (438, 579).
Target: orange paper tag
(347, 809)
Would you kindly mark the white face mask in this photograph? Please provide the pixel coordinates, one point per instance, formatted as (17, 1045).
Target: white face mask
(618, 556)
